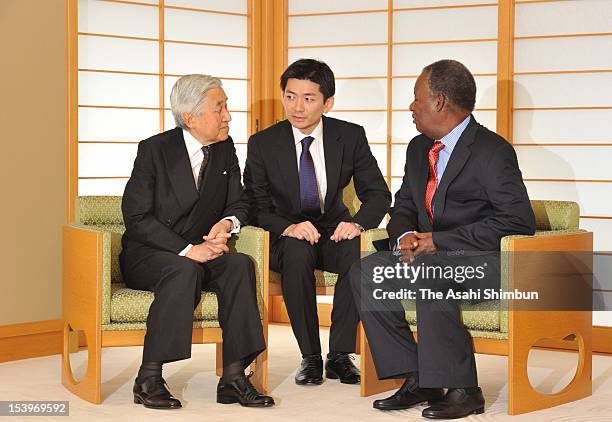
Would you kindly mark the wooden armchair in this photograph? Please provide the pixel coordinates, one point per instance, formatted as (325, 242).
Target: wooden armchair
(499, 330)
(98, 304)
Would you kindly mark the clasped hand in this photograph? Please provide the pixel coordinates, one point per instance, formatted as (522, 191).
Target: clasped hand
(415, 244)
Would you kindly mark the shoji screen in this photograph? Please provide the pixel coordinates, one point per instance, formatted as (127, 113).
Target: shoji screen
(130, 53)
(377, 48)
(563, 111)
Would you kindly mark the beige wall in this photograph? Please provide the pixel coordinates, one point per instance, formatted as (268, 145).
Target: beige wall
(32, 158)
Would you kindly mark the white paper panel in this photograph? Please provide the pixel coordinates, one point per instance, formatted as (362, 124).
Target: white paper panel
(347, 61)
(182, 59)
(486, 92)
(479, 57)
(398, 159)
(106, 159)
(316, 6)
(118, 54)
(395, 186)
(400, 4)
(102, 186)
(357, 94)
(380, 153)
(118, 90)
(236, 92)
(602, 318)
(561, 162)
(186, 25)
(450, 24)
(402, 128)
(602, 270)
(375, 123)
(563, 17)
(562, 126)
(550, 54)
(602, 233)
(238, 125)
(486, 118)
(118, 19)
(565, 90)
(235, 6)
(109, 124)
(593, 198)
(241, 153)
(338, 29)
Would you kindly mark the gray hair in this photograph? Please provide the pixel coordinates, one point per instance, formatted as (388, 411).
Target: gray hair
(453, 80)
(188, 94)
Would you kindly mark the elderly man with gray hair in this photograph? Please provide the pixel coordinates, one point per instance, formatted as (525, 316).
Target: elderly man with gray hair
(181, 204)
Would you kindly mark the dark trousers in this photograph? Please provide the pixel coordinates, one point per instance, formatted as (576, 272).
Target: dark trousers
(444, 356)
(177, 283)
(296, 260)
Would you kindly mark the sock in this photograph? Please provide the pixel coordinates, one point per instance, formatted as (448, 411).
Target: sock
(149, 369)
(232, 371)
(312, 355)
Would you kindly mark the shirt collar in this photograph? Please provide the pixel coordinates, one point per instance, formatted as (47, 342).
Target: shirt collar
(317, 133)
(451, 139)
(192, 144)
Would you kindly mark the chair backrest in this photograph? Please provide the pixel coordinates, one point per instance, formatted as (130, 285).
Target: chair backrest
(556, 215)
(349, 197)
(98, 211)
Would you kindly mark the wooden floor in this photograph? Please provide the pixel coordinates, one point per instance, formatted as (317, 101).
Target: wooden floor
(194, 382)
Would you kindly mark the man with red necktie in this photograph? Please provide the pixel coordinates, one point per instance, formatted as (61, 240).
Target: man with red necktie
(462, 192)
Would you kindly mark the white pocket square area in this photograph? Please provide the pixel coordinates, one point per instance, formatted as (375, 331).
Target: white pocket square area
(224, 171)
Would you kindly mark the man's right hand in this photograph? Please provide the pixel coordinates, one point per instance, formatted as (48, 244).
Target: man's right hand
(207, 251)
(303, 231)
(407, 246)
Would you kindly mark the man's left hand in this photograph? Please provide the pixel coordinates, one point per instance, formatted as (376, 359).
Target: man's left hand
(426, 244)
(345, 231)
(220, 231)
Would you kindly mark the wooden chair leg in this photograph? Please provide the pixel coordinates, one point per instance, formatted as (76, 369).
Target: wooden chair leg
(522, 397)
(370, 384)
(260, 372)
(358, 345)
(90, 387)
(219, 360)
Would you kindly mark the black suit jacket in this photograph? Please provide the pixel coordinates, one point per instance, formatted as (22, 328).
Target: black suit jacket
(161, 206)
(272, 181)
(481, 196)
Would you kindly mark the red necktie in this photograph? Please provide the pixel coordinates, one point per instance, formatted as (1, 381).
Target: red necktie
(432, 182)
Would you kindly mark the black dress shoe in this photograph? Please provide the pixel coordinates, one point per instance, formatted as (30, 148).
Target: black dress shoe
(311, 371)
(409, 395)
(240, 390)
(458, 403)
(340, 366)
(153, 393)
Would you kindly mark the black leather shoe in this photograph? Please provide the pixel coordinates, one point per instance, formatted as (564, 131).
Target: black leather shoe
(153, 394)
(409, 395)
(240, 390)
(341, 367)
(311, 371)
(457, 403)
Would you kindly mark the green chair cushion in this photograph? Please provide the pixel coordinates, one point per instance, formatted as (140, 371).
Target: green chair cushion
(322, 278)
(132, 306)
(482, 316)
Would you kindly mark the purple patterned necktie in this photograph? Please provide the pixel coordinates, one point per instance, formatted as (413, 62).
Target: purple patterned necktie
(309, 191)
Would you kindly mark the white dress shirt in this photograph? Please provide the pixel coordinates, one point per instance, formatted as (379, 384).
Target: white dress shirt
(196, 156)
(318, 157)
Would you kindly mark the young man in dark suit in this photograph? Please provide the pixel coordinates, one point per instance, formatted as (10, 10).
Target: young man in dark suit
(180, 206)
(295, 173)
(462, 192)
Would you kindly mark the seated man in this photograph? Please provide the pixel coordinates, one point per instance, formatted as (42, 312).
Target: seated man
(180, 206)
(462, 192)
(295, 175)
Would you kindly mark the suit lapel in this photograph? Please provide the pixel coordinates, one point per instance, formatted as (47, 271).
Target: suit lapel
(457, 160)
(287, 163)
(179, 170)
(333, 150)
